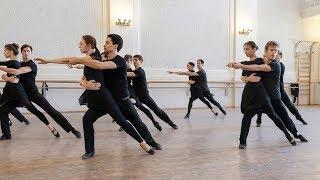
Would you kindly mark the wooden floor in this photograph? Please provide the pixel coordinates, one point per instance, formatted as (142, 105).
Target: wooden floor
(202, 148)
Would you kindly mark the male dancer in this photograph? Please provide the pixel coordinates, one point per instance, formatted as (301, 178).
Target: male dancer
(137, 102)
(284, 96)
(141, 90)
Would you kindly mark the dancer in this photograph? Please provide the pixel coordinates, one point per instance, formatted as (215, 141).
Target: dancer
(137, 102)
(284, 96)
(195, 89)
(97, 97)
(14, 95)
(140, 88)
(115, 78)
(28, 80)
(271, 82)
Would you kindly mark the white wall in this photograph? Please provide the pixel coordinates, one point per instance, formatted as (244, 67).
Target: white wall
(53, 28)
(167, 33)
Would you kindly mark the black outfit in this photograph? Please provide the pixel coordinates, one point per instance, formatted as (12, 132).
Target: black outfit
(202, 82)
(138, 104)
(28, 80)
(196, 93)
(141, 90)
(254, 99)
(271, 82)
(284, 98)
(100, 102)
(15, 112)
(15, 96)
(116, 82)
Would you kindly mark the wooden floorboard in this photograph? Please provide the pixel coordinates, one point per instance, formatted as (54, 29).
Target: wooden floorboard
(202, 148)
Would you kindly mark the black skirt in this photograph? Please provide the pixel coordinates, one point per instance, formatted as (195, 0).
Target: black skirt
(196, 91)
(254, 97)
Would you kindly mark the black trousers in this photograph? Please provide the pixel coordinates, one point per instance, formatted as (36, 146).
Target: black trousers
(17, 114)
(193, 98)
(148, 101)
(140, 106)
(113, 110)
(131, 114)
(246, 122)
(38, 99)
(8, 105)
(287, 102)
(283, 114)
(209, 96)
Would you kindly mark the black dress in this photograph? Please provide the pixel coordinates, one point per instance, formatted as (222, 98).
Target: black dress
(94, 99)
(254, 95)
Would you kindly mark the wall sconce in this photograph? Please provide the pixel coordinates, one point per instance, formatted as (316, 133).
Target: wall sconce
(245, 31)
(123, 22)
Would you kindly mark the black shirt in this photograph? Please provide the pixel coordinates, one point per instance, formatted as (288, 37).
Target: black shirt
(116, 79)
(202, 80)
(94, 74)
(140, 83)
(271, 80)
(28, 80)
(14, 91)
(257, 61)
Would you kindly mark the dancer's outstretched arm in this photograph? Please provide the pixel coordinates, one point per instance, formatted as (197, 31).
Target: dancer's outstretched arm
(87, 61)
(186, 73)
(13, 71)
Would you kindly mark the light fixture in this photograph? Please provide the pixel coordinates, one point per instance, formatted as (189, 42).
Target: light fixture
(123, 22)
(245, 31)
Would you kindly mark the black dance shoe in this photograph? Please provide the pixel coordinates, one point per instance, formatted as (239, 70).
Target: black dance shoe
(55, 133)
(291, 140)
(302, 139)
(242, 146)
(25, 121)
(156, 146)
(187, 116)
(157, 125)
(4, 137)
(303, 121)
(88, 155)
(76, 133)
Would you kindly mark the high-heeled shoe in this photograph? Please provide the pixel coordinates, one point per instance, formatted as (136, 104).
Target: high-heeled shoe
(291, 140)
(55, 133)
(88, 155)
(147, 148)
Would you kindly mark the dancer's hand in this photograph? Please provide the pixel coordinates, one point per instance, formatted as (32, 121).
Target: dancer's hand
(93, 85)
(42, 60)
(253, 78)
(9, 79)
